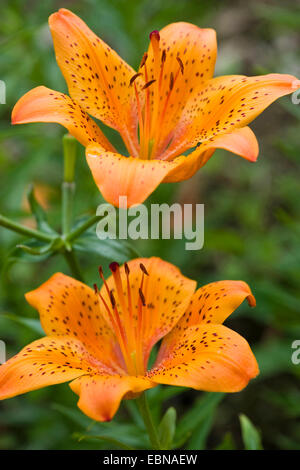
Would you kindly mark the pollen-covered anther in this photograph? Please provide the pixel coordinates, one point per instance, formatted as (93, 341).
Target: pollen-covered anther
(144, 59)
(148, 84)
(135, 76)
(100, 271)
(126, 267)
(112, 299)
(143, 269)
(142, 297)
(180, 64)
(171, 81)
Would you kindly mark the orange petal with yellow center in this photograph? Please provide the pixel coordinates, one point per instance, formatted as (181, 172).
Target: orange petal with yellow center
(44, 105)
(116, 175)
(100, 396)
(196, 49)
(69, 307)
(167, 295)
(98, 79)
(241, 142)
(226, 103)
(207, 357)
(44, 362)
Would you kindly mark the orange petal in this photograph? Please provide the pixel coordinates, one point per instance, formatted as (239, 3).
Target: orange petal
(242, 142)
(44, 362)
(226, 103)
(100, 396)
(69, 307)
(190, 55)
(116, 175)
(44, 105)
(98, 79)
(167, 294)
(211, 303)
(207, 357)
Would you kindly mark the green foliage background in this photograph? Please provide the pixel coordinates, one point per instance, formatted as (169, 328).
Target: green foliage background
(251, 218)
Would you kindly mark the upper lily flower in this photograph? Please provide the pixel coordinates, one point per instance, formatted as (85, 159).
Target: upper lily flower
(102, 339)
(170, 106)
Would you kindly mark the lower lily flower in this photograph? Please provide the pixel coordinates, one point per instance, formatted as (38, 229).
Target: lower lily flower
(172, 105)
(102, 339)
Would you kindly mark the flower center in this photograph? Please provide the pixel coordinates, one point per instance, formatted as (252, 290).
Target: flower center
(127, 324)
(153, 106)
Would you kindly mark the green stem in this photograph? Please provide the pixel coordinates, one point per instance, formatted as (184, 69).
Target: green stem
(28, 232)
(82, 228)
(68, 186)
(147, 418)
(68, 190)
(73, 264)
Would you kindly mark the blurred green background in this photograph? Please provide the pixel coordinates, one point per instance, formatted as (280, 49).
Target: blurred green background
(252, 222)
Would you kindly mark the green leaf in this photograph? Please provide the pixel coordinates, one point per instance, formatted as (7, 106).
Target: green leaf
(31, 323)
(28, 252)
(41, 249)
(227, 443)
(73, 415)
(128, 434)
(38, 212)
(167, 428)
(197, 416)
(251, 436)
(111, 440)
(116, 250)
(199, 436)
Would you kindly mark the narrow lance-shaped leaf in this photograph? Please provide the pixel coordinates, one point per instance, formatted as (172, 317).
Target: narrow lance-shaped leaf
(251, 436)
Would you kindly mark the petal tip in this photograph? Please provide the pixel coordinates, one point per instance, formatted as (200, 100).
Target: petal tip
(251, 300)
(295, 84)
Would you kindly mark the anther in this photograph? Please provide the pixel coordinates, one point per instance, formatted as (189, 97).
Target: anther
(96, 288)
(180, 64)
(112, 299)
(100, 270)
(143, 61)
(143, 269)
(142, 297)
(134, 78)
(171, 81)
(148, 84)
(126, 267)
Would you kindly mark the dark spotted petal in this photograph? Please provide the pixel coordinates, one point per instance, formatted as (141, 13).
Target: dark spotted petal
(44, 105)
(47, 361)
(69, 307)
(206, 357)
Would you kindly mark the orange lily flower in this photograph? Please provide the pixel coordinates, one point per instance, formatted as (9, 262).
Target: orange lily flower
(170, 106)
(102, 339)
